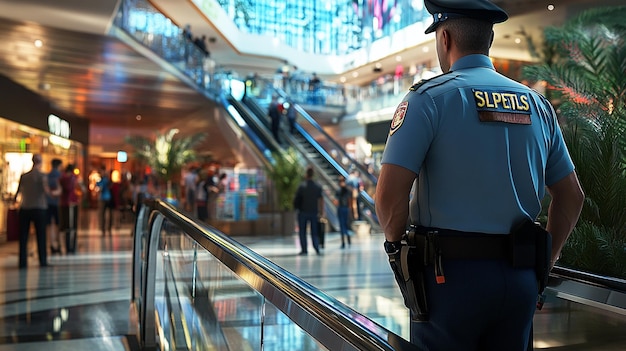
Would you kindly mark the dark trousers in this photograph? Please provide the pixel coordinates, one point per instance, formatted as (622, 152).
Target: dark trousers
(106, 222)
(203, 210)
(303, 219)
(275, 129)
(483, 305)
(38, 218)
(69, 226)
(342, 214)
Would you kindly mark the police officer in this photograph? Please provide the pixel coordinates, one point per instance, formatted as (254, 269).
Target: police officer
(482, 148)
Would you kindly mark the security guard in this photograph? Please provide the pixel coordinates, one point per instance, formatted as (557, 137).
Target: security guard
(481, 148)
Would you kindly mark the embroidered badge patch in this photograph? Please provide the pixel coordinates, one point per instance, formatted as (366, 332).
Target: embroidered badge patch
(398, 117)
(503, 106)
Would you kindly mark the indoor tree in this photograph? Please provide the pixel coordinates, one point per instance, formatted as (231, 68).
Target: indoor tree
(586, 72)
(286, 174)
(166, 154)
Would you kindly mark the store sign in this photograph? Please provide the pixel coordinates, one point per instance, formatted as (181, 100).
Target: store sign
(58, 126)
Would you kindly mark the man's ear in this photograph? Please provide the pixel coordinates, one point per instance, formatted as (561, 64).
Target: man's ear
(447, 40)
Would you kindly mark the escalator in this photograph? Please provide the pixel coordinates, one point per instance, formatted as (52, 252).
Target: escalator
(315, 146)
(248, 115)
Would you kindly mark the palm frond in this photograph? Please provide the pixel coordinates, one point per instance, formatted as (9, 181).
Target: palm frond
(587, 72)
(167, 153)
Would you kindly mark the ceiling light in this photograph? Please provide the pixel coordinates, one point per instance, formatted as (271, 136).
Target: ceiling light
(38, 43)
(550, 7)
(355, 74)
(398, 58)
(425, 49)
(518, 40)
(342, 79)
(138, 117)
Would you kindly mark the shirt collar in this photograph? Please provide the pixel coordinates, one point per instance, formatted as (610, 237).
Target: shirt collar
(472, 61)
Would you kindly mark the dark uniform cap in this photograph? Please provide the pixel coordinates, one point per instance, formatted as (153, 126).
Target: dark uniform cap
(478, 9)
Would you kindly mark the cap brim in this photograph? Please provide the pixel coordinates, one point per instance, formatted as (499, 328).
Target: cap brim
(432, 27)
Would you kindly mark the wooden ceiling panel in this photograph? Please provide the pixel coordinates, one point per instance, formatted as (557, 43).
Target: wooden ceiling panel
(96, 77)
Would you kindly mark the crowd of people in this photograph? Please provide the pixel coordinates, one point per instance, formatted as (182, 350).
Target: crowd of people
(199, 41)
(309, 203)
(202, 186)
(51, 203)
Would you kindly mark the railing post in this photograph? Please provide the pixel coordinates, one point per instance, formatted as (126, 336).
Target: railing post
(147, 335)
(138, 235)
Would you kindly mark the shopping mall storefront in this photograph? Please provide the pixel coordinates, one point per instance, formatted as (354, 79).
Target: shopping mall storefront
(20, 142)
(28, 126)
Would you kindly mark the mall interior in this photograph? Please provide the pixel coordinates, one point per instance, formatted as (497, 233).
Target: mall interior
(86, 82)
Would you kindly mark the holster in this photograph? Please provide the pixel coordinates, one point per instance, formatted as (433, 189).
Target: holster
(531, 247)
(408, 269)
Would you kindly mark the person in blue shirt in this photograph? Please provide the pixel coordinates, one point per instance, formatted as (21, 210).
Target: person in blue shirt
(107, 204)
(343, 200)
(481, 150)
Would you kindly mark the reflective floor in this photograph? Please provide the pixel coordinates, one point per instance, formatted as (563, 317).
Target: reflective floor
(81, 302)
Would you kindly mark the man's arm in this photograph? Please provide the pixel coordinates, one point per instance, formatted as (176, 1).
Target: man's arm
(564, 210)
(392, 199)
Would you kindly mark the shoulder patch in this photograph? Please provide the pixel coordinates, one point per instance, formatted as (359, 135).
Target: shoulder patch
(398, 117)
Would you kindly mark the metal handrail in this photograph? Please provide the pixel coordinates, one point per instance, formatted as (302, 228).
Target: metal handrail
(606, 293)
(324, 318)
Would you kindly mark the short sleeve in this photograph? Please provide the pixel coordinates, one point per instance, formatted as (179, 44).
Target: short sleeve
(559, 163)
(411, 132)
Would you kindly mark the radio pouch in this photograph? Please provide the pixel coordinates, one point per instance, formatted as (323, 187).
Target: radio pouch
(530, 247)
(543, 257)
(522, 245)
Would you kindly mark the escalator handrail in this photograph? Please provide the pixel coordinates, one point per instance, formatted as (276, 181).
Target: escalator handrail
(366, 198)
(607, 293)
(590, 278)
(323, 317)
(336, 145)
(264, 151)
(254, 123)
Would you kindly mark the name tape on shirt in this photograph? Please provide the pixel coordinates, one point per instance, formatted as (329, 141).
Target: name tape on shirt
(398, 117)
(502, 106)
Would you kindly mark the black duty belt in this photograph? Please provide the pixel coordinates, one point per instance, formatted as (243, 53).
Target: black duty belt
(458, 245)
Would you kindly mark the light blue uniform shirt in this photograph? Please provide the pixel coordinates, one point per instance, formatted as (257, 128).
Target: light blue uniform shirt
(484, 148)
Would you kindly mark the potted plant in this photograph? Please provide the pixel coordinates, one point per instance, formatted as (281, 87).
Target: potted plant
(166, 155)
(286, 175)
(583, 66)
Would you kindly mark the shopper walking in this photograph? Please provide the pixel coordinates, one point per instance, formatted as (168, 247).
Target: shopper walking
(33, 188)
(310, 205)
(68, 208)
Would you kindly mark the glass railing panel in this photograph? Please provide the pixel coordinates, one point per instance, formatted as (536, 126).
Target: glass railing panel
(147, 25)
(205, 291)
(237, 308)
(202, 305)
(281, 333)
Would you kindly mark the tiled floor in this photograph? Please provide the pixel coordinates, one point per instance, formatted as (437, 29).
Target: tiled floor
(81, 302)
